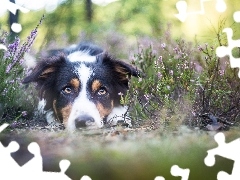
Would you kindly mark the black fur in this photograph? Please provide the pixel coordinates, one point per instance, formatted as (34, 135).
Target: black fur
(53, 73)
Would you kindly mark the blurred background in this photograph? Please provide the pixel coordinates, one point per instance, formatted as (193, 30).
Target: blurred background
(117, 24)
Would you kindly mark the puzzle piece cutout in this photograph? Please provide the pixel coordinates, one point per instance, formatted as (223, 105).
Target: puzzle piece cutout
(3, 126)
(222, 51)
(182, 7)
(7, 162)
(177, 171)
(33, 169)
(85, 178)
(228, 150)
(159, 178)
(12, 7)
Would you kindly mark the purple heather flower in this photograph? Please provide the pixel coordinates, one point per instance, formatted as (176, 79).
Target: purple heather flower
(17, 53)
(159, 75)
(163, 45)
(21, 61)
(33, 33)
(176, 50)
(146, 96)
(200, 48)
(12, 53)
(26, 46)
(221, 72)
(24, 113)
(13, 48)
(9, 67)
(198, 67)
(12, 81)
(160, 59)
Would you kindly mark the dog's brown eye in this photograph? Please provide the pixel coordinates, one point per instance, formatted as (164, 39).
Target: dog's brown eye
(67, 90)
(102, 91)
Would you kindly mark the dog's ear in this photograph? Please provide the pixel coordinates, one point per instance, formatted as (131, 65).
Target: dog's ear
(44, 69)
(123, 69)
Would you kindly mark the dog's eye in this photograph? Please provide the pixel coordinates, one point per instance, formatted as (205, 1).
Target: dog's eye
(102, 91)
(67, 90)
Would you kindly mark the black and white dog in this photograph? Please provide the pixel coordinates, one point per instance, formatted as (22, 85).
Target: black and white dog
(82, 86)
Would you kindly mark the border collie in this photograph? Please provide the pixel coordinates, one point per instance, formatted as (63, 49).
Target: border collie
(82, 87)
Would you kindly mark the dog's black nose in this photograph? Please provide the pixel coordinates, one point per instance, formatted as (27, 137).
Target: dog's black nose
(84, 121)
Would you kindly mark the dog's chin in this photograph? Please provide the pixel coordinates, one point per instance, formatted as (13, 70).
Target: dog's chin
(92, 127)
(88, 126)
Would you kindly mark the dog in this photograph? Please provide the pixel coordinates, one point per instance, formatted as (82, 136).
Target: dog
(81, 86)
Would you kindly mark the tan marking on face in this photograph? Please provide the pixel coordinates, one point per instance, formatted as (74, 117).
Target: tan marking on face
(104, 111)
(66, 113)
(75, 83)
(122, 72)
(47, 72)
(96, 85)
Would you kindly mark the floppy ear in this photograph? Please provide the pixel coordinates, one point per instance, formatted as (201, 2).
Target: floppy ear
(44, 74)
(44, 69)
(125, 70)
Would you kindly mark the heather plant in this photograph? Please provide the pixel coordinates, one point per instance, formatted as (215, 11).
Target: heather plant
(218, 94)
(182, 83)
(168, 69)
(15, 100)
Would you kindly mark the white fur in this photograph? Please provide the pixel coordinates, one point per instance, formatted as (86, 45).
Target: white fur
(29, 61)
(50, 117)
(118, 114)
(48, 114)
(82, 105)
(81, 56)
(41, 105)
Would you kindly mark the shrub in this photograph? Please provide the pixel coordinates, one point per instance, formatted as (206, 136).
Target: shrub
(168, 71)
(183, 83)
(15, 102)
(219, 92)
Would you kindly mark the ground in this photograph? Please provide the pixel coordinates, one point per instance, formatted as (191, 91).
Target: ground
(122, 153)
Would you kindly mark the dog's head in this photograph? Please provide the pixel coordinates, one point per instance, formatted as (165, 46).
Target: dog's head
(81, 88)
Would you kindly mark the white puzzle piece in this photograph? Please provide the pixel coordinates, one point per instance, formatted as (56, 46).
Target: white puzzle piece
(227, 150)
(33, 169)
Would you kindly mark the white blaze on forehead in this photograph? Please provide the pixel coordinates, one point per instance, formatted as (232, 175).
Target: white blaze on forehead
(81, 56)
(82, 104)
(84, 73)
